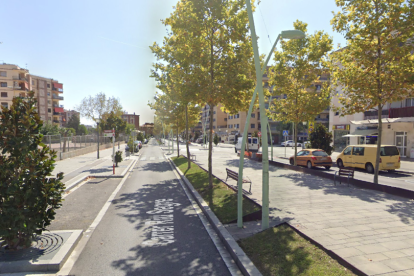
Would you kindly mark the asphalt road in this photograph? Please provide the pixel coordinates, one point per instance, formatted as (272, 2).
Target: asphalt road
(150, 229)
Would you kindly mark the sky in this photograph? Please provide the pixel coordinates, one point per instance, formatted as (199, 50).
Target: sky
(96, 46)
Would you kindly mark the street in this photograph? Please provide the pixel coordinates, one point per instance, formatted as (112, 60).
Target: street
(150, 228)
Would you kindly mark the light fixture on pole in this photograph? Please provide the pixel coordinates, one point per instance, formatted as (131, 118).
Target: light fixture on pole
(292, 34)
(97, 130)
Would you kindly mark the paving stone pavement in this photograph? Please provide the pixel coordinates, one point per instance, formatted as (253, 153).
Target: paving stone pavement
(372, 231)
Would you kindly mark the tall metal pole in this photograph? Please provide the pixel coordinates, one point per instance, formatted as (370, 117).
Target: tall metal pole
(263, 122)
(97, 125)
(243, 146)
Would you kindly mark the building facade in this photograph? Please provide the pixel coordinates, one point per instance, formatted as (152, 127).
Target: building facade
(17, 82)
(67, 114)
(131, 119)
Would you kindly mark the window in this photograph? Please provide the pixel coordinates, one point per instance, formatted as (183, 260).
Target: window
(253, 115)
(225, 119)
(236, 116)
(6, 105)
(336, 113)
(3, 84)
(48, 93)
(358, 151)
(3, 73)
(258, 115)
(348, 151)
(409, 102)
(49, 110)
(389, 151)
(48, 86)
(214, 112)
(48, 102)
(214, 120)
(231, 117)
(33, 82)
(319, 153)
(230, 126)
(252, 125)
(236, 126)
(4, 94)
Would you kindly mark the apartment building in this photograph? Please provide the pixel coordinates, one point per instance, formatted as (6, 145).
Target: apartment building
(148, 128)
(67, 114)
(131, 119)
(16, 82)
(362, 128)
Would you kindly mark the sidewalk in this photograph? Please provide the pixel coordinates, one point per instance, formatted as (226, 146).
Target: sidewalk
(75, 169)
(371, 230)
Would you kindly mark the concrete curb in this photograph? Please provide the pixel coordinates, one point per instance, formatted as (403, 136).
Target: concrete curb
(84, 178)
(244, 263)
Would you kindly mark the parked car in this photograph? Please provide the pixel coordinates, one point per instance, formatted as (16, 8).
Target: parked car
(312, 158)
(364, 156)
(290, 143)
(252, 142)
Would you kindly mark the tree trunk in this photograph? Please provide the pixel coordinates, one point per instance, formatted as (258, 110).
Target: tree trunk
(64, 142)
(186, 138)
(210, 150)
(377, 160)
(295, 133)
(178, 142)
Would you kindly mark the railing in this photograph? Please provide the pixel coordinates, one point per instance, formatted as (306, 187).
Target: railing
(402, 112)
(373, 114)
(224, 126)
(57, 97)
(19, 78)
(56, 113)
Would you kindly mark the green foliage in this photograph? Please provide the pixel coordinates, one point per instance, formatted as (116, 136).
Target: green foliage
(140, 137)
(129, 128)
(376, 66)
(74, 123)
(114, 122)
(49, 129)
(29, 196)
(216, 139)
(99, 107)
(82, 130)
(321, 138)
(118, 157)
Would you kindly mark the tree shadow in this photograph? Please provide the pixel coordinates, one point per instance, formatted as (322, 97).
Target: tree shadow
(191, 253)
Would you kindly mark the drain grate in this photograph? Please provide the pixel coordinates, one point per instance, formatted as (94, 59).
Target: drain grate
(42, 245)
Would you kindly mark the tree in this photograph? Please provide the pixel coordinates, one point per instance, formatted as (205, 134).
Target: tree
(296, 74)
(376, 66)
(114, 122)
(29, 196)
(216, 139)
(74, 123)
(140, 136)
(99, 107)
(49, 129)
(321, 138)
(211, 37)
(82, 130)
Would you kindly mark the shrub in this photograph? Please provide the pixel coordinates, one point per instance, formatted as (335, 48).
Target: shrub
(118, 157)
(28, 196)
(321, 138)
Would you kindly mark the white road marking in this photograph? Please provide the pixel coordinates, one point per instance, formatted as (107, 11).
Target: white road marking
(152, 158)
(143, 158)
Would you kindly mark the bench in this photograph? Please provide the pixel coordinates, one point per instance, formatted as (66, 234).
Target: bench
(193, 157)
(235, 176)
(344, 171)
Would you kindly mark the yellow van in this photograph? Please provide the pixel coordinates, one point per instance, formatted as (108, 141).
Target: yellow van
(363, 156)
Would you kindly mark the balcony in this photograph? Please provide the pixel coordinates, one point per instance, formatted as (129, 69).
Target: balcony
(59, 90)
(373, 114)
(57, 97)
(401, 112)
(19, 78)
(56, 114)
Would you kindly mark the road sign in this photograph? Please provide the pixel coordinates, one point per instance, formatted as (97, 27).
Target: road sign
(109, 133)
(311, 127)
(259, 134)
(285, 133)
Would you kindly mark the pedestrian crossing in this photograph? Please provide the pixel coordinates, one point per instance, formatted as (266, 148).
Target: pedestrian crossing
(151, 158)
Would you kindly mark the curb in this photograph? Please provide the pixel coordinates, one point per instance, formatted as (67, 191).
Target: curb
(86, 177)
(244, 263)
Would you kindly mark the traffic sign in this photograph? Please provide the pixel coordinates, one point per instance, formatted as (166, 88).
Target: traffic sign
(285, 133)
(259, 134)
(109, 133)
(311, 127)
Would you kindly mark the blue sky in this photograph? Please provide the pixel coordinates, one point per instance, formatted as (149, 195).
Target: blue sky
(96, 46)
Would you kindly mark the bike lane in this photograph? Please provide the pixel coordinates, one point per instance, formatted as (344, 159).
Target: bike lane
(150, 228)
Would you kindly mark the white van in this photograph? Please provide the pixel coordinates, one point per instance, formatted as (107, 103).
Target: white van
(252, 142)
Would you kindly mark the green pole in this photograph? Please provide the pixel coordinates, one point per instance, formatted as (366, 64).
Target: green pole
(243, 146)
(172, 142)
(270, 130)
(263, 122)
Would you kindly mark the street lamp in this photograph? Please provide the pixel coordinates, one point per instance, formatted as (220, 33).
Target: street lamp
(97, 128)
(291, 34)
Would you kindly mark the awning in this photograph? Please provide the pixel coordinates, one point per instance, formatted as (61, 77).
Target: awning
(363, 132)
(384, 121)
(59, 109)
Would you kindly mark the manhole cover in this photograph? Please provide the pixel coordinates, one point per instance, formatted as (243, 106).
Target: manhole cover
(43, 244)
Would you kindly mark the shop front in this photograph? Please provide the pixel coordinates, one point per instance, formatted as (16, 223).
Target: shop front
(340, 141)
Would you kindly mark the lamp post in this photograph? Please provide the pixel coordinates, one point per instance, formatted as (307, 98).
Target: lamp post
(97, 128)
(292, 34)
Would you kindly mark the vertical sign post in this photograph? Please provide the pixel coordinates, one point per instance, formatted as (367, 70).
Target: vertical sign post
(113, 150)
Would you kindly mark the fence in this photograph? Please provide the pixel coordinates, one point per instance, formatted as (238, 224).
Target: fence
(72, 143)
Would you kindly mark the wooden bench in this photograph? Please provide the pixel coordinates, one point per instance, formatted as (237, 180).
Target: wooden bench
(235, 176)
(344, 171)
(193, 157)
